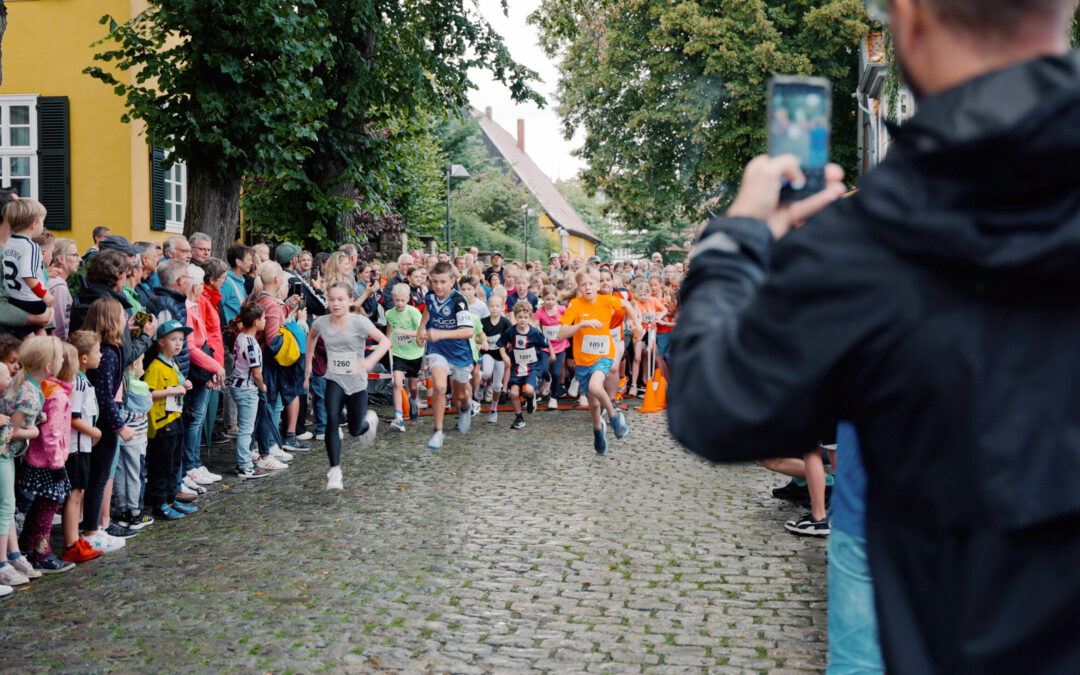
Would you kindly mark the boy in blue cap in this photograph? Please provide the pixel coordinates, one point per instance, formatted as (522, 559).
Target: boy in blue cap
(165, 424)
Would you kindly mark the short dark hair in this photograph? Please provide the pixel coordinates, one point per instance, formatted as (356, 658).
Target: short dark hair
(443, 268)
(996, 16)
(100, 231)
(250, 313)
(107, 267)
(237, 252)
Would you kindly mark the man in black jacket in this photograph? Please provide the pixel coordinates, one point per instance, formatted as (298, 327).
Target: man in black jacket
(939, 310)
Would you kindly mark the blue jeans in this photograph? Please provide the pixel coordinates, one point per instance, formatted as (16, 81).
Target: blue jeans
(194, 414)
(267, 433)
(553, 374)
(213, 399)
(317, 387)
(247, 409)
(854, 646)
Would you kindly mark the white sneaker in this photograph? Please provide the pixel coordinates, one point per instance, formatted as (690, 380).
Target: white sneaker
(281, 455)
(545, 389)
(102, 541)
(197, 477)
(475, 407)
(583, 401)
(24, 566)
(193, 486)
(478, 395)
(9, 576)
(209, 474)
(488, 393)
(6, 590)
(333, 479)
(553, 404)
(368, 437)
(320, 437)
(573, 388)
(436, 440)
(398, 425)
(306, 436)
(493, 416)
(269, 463)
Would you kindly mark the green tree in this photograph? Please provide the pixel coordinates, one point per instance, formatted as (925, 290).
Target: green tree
(670, 96)
(228, 106)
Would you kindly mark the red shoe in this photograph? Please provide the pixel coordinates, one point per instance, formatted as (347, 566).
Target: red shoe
(79, 552)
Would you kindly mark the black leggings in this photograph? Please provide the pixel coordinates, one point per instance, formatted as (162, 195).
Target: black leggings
(101, 459)
(355, 410)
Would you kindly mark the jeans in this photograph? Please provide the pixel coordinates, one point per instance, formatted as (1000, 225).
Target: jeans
(277, 405)
(553, 374)
(317, 387)
(102, 458)
(230, 404)
(194, 414)
(128, 481)
(213, 398)
(247, 410)
(356, 409)
(267, 433)
(854, 646)
(7, 492)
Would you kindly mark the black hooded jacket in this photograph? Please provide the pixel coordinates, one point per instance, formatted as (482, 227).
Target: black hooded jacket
(938, 309)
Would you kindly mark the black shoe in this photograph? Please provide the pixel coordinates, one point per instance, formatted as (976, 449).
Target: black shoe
(808, 527)
(519, 423)
(530, 404)
(792, 492)
(53, 565)
(504, 398)
(118, 530)
(218, 438)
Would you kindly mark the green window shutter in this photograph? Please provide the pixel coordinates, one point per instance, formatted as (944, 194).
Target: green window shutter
(54, 161)
(157, 189)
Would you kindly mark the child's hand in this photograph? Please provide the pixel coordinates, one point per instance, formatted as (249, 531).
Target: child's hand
(95, 434)
(187, 385)
(126, 433)
(434, 335)
(5, 421)
(47, 299)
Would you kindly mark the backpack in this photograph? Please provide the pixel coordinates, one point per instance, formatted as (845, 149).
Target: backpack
(289, 344)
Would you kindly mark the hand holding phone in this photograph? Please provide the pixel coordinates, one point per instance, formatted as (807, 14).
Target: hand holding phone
(800, 123)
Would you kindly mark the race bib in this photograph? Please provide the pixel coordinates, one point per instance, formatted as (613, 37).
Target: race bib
(493, 342)
(401, 339)
(525, 356)
(616, 334)
(552, 332)
(174, 404)
(596, 345)
(341, 363)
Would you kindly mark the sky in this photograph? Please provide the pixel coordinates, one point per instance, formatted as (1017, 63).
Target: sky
(544, 140)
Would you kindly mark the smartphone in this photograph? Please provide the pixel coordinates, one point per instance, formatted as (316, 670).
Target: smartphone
(800, 124)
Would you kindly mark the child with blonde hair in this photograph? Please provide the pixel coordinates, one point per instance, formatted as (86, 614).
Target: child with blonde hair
(84, 434)
(24, 270)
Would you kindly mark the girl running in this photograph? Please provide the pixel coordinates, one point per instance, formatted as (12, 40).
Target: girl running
(549, 315)
(492, 368)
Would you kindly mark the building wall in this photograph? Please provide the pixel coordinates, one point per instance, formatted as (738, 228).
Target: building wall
(577, 246)
(46, 47)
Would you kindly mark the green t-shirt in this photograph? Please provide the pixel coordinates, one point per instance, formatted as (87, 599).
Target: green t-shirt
(405, 347)
(478, 329)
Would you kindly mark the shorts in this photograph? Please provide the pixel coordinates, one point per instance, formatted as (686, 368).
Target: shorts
(31, 307)
(584, 373)
(78, 470)
(532, 380)
(459, 374)
(663, 345)
(411, 367)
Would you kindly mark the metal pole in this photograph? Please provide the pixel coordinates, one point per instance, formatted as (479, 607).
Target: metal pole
(525, 226)
(448, 208)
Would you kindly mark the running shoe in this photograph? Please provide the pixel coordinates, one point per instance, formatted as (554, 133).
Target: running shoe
(320, 437)
(545, 389)
(792, 492)
(232, 432)
(368, 437)
(530, 404)
(398, 424)
(619, 425)
(553, 404)
(519, 422)
(280, 455)
(9, 576)
(291, 442)
(166, 512)
(464, 421)
(572, 391)
(53, 565)
(250, 473)
(207, 473)
(489, 395)
(22, 563)
(600, 438)
(6, 590)
(118, 530)
(186, 509)
(186, 496)
(269, 463)
(219, 438)
(191, 486)
(475, 405)
(808, 527)
(504, 398)
(79, 552)
(333, 479)
(436, 440)
(138, 522)
(306, 436)
(583, 401)
(197, 477)
(478, 395)
(633, 392)
(104, 542)
(493, 416)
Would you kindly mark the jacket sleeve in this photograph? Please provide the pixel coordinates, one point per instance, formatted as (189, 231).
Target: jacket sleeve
(756, 355)
(61, 309)
(275, 317)
(197, 355)
(134, 348)
(104, 380)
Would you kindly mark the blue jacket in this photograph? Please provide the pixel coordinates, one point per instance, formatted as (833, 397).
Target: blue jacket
(169, 304)
(232, 297)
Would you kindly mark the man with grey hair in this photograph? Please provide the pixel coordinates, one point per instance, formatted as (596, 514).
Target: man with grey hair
(149, 257)
(936, 310)
(201, 247)
(405, 263)
(177, 248)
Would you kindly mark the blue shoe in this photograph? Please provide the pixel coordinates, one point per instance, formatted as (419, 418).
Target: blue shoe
(435, 442)
(464, 421)
(618, 423)
(167, 512)
(184, 509)
(600, 438)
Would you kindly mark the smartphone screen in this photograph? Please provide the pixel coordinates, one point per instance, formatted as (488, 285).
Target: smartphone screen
(800, 116)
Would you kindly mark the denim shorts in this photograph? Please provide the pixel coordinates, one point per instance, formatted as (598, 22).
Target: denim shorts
(584, 373)
(854, 646)
(663, 345)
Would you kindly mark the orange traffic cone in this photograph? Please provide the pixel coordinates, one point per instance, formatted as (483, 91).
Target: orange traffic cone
(405, 409)
(655, 394)
(429, 389)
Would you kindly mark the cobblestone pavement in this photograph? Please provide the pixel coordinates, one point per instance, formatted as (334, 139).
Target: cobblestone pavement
(505, 551)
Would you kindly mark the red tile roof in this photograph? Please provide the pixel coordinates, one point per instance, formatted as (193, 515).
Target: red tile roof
(541, 187)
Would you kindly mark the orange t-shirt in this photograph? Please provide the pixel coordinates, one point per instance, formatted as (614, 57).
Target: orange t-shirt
(592, 344)
(648, 309)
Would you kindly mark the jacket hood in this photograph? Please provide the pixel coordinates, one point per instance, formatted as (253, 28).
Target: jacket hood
(983, 181)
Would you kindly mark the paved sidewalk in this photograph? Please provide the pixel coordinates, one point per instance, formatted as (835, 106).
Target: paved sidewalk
(505, 551)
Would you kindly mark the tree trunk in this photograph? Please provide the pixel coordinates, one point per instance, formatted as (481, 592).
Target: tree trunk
(336, 185)
(213, 207)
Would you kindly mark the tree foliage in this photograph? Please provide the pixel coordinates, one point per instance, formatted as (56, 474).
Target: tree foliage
(671, 95)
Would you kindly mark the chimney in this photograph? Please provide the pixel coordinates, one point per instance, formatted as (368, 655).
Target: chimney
(487, 112)
(521, 135)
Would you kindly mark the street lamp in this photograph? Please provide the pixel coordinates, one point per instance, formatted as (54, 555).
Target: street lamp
(527, 213)
(452, 171)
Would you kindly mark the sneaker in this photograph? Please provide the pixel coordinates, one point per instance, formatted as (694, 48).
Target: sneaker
(493, 417)
(250, 472)
(572, 391)
(186, 509)
(333, 479)
(792, 492)
(138, 522)
(53, 565)
(9, 576)
(320, 437)
(79, 552)
(398, 424)
(270, 463)
(808, 527)
(553, 404)
(619, 425)
(583, 401)
(368, 437)
(6, 590)
(519, 422)
(190, 485)
(600, 438)
(488, 395)
(530, 404)
(480, 392)
(207, 473)
(167, 512)
(414, 408)
(545, 389)
(464, 421)
(218, 438)
(22, 563)
(186, 496)
(291, 442)
(254, 456)
(633, 392)
(104, 542)
(436, 440)
(197, 477)
(280, 455)
(306, 436)
(232, 432)
(475, 406)
(504, 398)
(118, 530)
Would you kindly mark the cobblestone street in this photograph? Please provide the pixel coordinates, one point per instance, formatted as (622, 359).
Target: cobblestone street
(507, 550)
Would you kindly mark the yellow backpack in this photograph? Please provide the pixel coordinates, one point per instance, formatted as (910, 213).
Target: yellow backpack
(287, 345)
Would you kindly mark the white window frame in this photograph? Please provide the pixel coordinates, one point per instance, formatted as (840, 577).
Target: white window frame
(176, 175)
(8, 101)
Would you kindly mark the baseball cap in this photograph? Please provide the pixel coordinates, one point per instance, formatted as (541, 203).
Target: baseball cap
(118, 242)
(171, 326)
(594, 258)
(496, 253)
(553, 256)
(285, 252)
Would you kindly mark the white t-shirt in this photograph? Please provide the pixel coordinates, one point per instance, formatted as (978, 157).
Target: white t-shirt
(22, 260)
(479, 309)
(83, 406)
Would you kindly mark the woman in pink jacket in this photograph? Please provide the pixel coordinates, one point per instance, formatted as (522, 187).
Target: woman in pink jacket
(207, 373)
(216, 270)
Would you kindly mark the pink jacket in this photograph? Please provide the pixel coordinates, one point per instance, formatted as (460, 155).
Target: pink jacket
(197, 338)
(50, 449)
(212, 323)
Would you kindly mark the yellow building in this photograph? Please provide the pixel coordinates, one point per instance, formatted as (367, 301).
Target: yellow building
(61, 138)
(557, 217)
